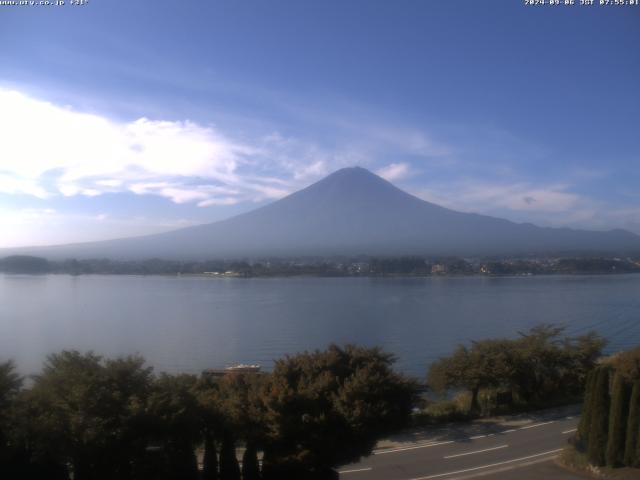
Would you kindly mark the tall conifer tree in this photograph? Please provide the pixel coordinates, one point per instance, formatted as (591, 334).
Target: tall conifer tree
(597, 445)
(229, 468)
(618, 414)
(587, 414)
(250, 465)
(210, 460)
(633, 427)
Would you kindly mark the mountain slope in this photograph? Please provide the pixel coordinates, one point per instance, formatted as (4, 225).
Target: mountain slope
(352, 211)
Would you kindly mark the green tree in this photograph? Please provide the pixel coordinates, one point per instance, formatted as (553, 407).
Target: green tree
(617, 421)
(488, 363)
(541, 362)
(329, 407)
(10, 386)
(175, 413)
(129, 382)
(597, 445)
(581, 356)
(250, 465)
(212, 421)
(539, 366)
(587, 411)
(24, 264)
(242, 407)
(627, 364)
(210, 460)
(87, 413)
(229, 468)
(633, 427)
(36, 456)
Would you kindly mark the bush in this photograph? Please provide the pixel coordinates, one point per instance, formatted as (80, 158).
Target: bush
(328, 408)
(539, 368)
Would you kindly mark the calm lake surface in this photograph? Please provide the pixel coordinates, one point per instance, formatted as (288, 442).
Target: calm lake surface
(186, 324)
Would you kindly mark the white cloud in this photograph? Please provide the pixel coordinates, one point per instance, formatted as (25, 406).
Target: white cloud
(205, 195)
(109, 183)
(269, 192)
(218, 201)
(50, 150)
(15, 185)
(395, 171)
(315, 169)
(71, 190)
(182, 195)
(147, 188)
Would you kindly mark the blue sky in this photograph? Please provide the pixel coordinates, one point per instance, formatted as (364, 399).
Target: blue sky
(123, 118)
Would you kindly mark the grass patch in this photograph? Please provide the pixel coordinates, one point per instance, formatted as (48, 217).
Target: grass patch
(574, 460)
(443, 411)
(458, 408)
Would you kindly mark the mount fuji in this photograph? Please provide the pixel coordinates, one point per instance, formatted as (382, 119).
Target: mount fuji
(350, 212)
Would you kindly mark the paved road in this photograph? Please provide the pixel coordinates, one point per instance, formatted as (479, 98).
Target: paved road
(547, 470)
(499, 449)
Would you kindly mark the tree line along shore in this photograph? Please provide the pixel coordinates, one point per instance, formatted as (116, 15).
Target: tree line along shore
(85, 417)
(331, 267)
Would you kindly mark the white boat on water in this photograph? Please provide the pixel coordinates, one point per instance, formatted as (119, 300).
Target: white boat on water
(240, 368)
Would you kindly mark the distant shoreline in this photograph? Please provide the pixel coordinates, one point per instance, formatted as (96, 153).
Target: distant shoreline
(394, 276)
(402, 266)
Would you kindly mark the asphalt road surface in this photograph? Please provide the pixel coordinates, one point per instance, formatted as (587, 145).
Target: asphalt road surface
(498, 452)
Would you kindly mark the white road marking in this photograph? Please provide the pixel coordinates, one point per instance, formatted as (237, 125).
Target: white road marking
(569, 418)
(570, 431)
(488, 466)
(476, 437)
(477, 451)
(402, 449)
(355, 470)
(536, 425)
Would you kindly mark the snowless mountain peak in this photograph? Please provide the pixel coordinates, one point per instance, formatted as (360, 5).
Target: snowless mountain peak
(351, 212)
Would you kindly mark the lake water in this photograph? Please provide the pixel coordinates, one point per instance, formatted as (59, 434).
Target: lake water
(186, 324)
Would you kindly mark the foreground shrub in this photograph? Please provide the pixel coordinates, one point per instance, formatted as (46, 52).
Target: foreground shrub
(90, 418)
(328, 408)
(539, 368)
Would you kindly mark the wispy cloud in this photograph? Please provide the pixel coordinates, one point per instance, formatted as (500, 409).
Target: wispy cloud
(395, 171)
(517, 197)
(53, 150)
(544, 204)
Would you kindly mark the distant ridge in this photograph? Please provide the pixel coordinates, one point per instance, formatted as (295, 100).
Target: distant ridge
(350, 212)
